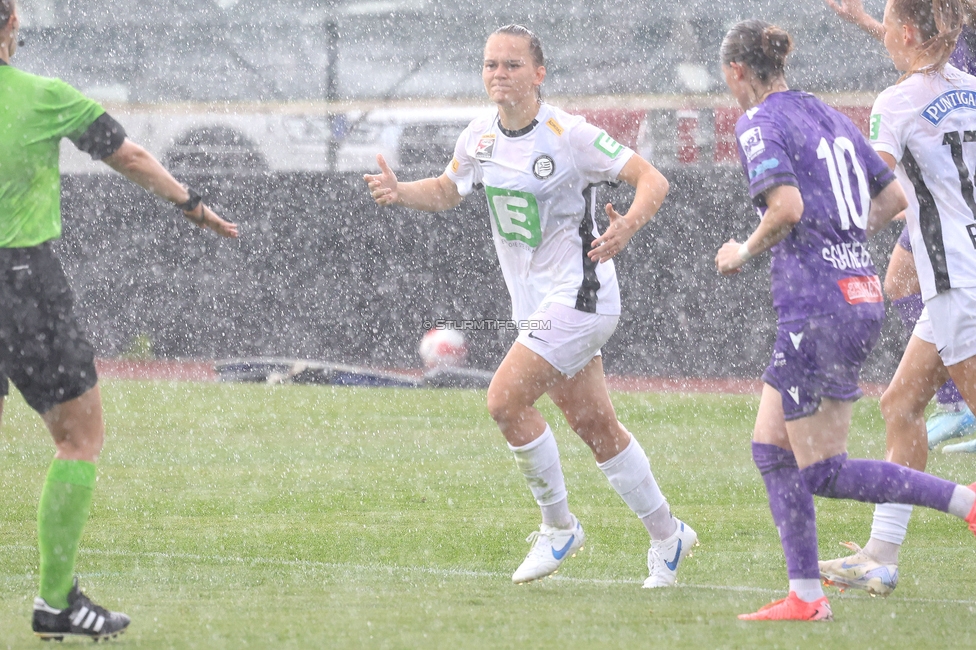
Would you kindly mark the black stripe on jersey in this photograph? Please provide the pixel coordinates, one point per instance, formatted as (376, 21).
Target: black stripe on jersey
(929, 222)
(954, 141)
(586, 296)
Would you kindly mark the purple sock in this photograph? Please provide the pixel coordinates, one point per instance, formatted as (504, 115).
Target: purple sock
(792, 507)
(876, 481)
(909, 309)
(948, 394)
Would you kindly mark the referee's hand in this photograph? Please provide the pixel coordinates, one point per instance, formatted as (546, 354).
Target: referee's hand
(382, 186)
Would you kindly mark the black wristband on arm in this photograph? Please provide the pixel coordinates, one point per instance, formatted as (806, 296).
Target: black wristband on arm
(103, 137)
(191, 203)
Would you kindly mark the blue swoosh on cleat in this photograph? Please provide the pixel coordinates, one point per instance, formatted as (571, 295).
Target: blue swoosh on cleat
(561, 553)
(673, 564)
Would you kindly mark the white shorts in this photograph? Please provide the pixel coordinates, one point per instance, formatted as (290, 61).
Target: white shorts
(572, 339)
(949, 322)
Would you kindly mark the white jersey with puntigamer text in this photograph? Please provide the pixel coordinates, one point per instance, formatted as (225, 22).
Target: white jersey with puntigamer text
(928, 124)
(540, 183)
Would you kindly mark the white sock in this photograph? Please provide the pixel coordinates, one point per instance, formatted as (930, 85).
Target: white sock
(629, 472)
(888, 531)
(962, 501)
(539, 464)
(660, 524)
(807, 589)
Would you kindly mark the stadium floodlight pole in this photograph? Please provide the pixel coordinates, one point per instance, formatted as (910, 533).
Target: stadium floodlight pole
(332, 91)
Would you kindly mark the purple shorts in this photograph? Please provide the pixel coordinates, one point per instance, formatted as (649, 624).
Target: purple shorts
(820, 357)
(904, 240)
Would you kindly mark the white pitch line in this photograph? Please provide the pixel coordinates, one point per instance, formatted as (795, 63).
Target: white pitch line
(444, 573)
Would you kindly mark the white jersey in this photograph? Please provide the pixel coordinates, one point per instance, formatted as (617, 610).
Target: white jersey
(540, 183)
(928, 124)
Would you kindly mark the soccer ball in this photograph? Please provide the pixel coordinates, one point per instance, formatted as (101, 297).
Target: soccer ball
(443, 348)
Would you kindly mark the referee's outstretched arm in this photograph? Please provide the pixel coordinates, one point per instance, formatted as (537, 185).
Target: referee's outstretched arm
(140, 167)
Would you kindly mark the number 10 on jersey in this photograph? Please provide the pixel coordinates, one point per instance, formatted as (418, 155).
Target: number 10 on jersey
(840, 181)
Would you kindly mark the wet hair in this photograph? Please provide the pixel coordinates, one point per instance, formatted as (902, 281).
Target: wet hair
(939, 23)
(535, 45)
(6, 11)
(759, 46)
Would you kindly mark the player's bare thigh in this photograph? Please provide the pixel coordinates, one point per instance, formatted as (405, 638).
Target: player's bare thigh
(901, 279)
(520, 380)
(585, 401)
(920, 373)
(812, 438)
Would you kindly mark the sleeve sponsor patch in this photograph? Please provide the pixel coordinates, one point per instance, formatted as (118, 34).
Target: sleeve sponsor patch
(875, 126)
(763, 167)
(608, 145)
(455, 165)
(555, 126)
(752, 143)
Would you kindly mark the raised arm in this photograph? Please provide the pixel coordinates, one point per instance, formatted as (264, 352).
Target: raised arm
(783, 211)
(651, 187)
(430, 194)
(853, 12)
(140, 167)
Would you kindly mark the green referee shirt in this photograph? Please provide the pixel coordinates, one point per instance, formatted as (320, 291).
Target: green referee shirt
(35, 113)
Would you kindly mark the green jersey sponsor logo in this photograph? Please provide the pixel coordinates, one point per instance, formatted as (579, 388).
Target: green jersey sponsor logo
(608, 145)
(875, 125)
(516, 215)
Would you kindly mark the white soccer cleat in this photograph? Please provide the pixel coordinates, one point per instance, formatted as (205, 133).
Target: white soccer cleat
(665, 555)
(550, 548)
(859, 571)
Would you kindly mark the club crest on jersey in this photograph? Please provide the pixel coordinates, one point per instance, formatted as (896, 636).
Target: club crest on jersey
(941, 106)
(543, 167)
(752, 143)
(486, 147)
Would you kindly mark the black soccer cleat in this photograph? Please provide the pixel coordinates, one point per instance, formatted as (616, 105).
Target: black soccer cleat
(81, 617)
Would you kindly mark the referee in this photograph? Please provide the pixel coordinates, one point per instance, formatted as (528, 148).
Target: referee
(43, 347)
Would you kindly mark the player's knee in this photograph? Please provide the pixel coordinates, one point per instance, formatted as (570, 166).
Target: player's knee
(896, 405)
(501, 405)
(819, 477)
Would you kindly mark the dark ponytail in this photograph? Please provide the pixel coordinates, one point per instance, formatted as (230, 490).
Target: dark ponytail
(761, 47)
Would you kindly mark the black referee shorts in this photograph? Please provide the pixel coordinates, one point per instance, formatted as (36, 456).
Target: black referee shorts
(43, 348)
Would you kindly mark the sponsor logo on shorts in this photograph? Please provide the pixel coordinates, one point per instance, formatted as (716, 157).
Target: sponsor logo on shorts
(796, 338)
(752, 143)
(861, 289)
(486, 147)
(946, 103)
(543, 167)
(794, 392)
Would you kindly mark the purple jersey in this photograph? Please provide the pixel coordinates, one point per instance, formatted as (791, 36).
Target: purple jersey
(964, 56)
(823, 266)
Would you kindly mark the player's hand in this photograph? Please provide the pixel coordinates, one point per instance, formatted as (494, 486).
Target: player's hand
(728, 261)
(204, 217)
(615, 239)
(850, 10)
(382, 186)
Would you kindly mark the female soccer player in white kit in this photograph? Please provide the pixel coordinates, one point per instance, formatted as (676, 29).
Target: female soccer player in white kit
(924, 127)
(539, 167)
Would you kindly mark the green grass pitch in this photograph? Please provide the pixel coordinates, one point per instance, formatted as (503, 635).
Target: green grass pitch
(230, 516)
